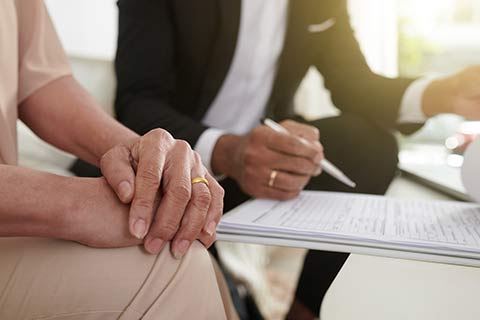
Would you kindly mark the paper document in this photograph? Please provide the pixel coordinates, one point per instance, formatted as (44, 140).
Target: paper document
(362, 219)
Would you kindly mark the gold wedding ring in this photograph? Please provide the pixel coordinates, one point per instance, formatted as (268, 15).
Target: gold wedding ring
(273, 176)
(200, 180)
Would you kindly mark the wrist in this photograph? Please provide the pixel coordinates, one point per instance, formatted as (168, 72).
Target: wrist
(222, 154)
(74, 210)
(439, 97)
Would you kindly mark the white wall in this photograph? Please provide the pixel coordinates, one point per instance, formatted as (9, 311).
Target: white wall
(87, 28)
(376, 28)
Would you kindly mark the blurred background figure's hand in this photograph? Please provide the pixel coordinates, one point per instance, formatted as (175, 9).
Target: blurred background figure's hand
(458, 94)
(268, 164)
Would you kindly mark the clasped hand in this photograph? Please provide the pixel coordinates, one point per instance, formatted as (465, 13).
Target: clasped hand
(153, 175)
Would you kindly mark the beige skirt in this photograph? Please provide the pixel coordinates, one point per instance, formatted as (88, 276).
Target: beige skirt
(54, 279)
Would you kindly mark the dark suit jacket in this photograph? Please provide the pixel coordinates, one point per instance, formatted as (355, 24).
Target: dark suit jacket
(173, 56)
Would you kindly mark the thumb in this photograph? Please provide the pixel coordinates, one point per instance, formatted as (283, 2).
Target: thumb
(118, 170)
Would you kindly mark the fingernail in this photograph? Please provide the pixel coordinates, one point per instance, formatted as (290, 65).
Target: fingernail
(124, 189)
(180, 249)
(211, 228)
(318, 158)
(155, 246)
(139, 228)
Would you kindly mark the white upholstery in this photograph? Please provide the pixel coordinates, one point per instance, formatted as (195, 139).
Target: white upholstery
(98, 78)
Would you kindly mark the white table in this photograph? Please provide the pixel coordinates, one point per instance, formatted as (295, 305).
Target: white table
(374, 288)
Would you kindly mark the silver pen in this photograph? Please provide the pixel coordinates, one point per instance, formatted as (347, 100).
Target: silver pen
(326, 165)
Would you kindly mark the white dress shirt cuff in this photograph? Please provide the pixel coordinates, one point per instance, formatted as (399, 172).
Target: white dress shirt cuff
(205, 145)
(411, 107)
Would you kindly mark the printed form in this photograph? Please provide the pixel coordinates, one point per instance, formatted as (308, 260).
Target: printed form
(328, 215)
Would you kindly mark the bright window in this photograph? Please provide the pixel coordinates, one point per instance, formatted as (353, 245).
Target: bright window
(437, 37)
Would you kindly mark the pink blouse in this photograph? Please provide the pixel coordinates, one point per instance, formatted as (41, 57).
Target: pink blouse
(31, 56)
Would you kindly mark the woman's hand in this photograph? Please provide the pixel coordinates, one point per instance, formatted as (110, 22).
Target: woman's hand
(98, 219)
(154, 173)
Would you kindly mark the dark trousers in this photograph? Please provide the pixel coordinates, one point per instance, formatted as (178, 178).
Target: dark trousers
(365, 153)
(368, 155)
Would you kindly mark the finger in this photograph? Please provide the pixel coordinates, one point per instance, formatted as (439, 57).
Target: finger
(176, 193)
(292, 164)
(292, 145)
(193, 221)
(151, 162)
(276, 194)
(195, 214)
(215, 211)
(285, 181)
(117, 168)
(302, 130)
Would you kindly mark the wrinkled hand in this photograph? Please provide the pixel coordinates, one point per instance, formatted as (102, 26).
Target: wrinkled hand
(250, 160)
(101, 219)
(459, 94)
(154, 174)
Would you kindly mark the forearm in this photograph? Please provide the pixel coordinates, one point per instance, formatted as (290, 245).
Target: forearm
(65, 115)
(34, 203)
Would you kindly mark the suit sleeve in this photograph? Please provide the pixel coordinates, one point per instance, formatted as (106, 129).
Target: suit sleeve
(145, 69)
(354, 87)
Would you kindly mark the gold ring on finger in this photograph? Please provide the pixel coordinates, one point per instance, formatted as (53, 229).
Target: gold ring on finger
(200, 180)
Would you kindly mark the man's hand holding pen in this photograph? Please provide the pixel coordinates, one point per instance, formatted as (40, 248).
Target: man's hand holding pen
(271, 164)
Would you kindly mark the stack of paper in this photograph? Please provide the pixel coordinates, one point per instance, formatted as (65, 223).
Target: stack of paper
(361, 223)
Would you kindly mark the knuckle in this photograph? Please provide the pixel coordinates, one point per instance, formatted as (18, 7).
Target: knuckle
(167, 230)
(151, 175)
(106, 158)
(197, 157)
(183, 145)
(143, 203)
(218, 190)
(320, 148)
(187, 232)
(257, 135)
(180, 193)
(159, 134)
(216, 212)
(191, 229)
(201, 200)
(157, 141)
(292, 144)
(297, 164)
(209, 241)
(315, 132)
